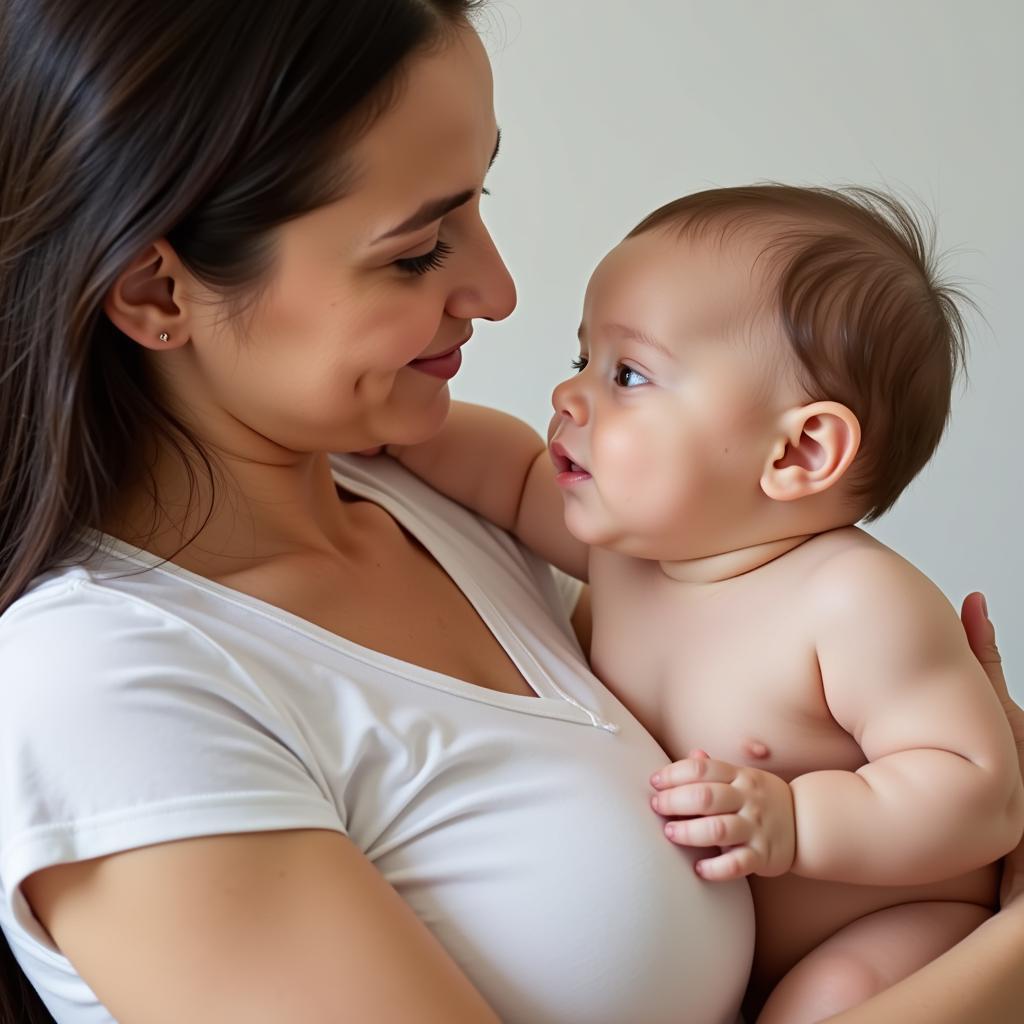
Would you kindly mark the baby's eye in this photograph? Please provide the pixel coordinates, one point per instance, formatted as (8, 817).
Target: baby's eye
(627, 377)
(579, 363)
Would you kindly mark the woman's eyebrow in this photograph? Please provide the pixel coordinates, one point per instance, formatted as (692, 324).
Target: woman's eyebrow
(435, 209)
(431, 210)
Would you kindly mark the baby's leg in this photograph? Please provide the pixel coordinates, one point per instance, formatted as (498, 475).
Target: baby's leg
(866, 956)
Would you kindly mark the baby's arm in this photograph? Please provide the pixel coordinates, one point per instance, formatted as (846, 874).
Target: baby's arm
(942, 792)
(980, 978)
(498, 466)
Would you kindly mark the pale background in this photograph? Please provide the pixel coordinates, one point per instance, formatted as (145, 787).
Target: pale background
(609, 109)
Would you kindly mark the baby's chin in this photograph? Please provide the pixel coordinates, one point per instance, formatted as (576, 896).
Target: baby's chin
(607, 536)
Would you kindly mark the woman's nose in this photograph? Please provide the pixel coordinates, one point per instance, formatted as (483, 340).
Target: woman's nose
(487, 291)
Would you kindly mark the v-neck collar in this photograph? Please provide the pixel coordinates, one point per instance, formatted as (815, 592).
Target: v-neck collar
(550, 700)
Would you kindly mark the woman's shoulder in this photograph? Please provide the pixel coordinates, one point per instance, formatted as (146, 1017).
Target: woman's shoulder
(123, 724)
(80, 653)
(76, 616)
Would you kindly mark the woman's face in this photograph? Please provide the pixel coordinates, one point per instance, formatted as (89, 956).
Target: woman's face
(340, 352)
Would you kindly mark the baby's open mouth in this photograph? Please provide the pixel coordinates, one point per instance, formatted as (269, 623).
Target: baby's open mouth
(563, 461)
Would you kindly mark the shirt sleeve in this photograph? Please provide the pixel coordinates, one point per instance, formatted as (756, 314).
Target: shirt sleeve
(122, 726)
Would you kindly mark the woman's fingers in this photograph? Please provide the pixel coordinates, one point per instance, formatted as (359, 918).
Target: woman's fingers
(981, 635)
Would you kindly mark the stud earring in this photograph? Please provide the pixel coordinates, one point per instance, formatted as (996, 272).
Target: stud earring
(164, 336)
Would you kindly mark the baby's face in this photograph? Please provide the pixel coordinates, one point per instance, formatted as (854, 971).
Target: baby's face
(662, 435)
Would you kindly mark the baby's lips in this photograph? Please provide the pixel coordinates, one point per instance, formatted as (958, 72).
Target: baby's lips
(559, 456)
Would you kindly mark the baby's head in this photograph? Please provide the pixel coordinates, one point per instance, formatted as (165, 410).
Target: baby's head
(757, 363)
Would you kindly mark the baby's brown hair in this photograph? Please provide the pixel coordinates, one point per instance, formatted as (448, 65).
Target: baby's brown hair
(861, 304)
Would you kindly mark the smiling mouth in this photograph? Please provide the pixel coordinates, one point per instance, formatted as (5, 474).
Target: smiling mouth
(440, 355)
(444, 365)
(446, 353)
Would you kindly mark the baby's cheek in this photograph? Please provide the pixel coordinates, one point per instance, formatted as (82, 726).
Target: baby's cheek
(628, 451)
(664, 482)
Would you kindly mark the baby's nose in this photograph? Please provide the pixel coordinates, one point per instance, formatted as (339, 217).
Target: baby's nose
(567, 400)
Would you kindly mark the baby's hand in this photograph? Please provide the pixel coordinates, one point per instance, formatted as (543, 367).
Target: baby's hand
(745, 811)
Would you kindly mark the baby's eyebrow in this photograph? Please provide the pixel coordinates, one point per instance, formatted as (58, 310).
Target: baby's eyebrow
(626, 333)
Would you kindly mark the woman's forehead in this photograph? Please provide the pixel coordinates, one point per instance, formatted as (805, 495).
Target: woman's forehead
(441, 123)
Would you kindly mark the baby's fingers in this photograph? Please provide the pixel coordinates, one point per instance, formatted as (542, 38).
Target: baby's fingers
(698, 798)
(737, 863)
(693, 769)
(721, 830)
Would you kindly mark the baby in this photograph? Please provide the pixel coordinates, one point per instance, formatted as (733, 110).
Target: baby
(761, 368)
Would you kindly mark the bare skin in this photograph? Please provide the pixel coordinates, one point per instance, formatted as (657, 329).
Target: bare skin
(276, 926)
(861, 769)
(980, 978)
(770, 711)
(326, 368)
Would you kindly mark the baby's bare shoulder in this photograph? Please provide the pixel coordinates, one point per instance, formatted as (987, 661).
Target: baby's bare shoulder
(849, 567)
(862, 596)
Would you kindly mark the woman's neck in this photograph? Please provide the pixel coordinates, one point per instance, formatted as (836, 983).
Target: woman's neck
(252, 512)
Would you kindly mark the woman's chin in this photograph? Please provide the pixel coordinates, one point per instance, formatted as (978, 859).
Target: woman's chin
(416, 427)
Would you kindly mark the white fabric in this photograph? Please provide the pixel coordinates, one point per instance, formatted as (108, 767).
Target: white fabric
(142, 703)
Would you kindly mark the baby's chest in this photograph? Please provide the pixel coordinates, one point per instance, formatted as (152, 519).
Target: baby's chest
(734, 677)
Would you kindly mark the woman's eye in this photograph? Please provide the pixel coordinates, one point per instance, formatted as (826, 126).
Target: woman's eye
(627, 377)
(427, 262)
(579, 363)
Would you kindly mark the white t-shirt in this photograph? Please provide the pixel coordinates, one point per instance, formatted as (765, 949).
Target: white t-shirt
(141, 703)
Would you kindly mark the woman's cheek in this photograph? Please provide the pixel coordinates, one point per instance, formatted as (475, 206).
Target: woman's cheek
(411, 324)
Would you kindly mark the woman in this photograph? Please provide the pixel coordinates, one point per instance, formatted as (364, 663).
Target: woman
(266, 714)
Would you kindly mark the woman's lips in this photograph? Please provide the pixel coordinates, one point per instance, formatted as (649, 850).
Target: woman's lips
(567, 470)
(445, 365)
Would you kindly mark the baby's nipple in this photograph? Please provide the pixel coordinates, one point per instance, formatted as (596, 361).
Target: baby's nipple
(756, 750)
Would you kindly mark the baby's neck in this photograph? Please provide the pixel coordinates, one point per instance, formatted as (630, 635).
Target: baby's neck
(729, 564)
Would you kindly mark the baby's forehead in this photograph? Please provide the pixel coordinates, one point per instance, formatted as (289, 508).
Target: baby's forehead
(708, 283)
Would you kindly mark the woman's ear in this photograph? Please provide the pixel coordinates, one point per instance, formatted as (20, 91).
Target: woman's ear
(817, 444)
(141, 302)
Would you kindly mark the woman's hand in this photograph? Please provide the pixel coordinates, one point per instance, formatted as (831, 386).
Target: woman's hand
(981, 635)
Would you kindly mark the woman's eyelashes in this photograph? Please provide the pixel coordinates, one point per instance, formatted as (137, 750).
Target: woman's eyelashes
(427, 261)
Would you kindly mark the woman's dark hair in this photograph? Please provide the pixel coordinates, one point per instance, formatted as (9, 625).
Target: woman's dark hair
(204, 122)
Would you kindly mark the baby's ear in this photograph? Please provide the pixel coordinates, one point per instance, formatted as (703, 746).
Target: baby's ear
(815, 446)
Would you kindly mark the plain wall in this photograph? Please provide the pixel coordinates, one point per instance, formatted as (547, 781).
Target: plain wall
(610, 109)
